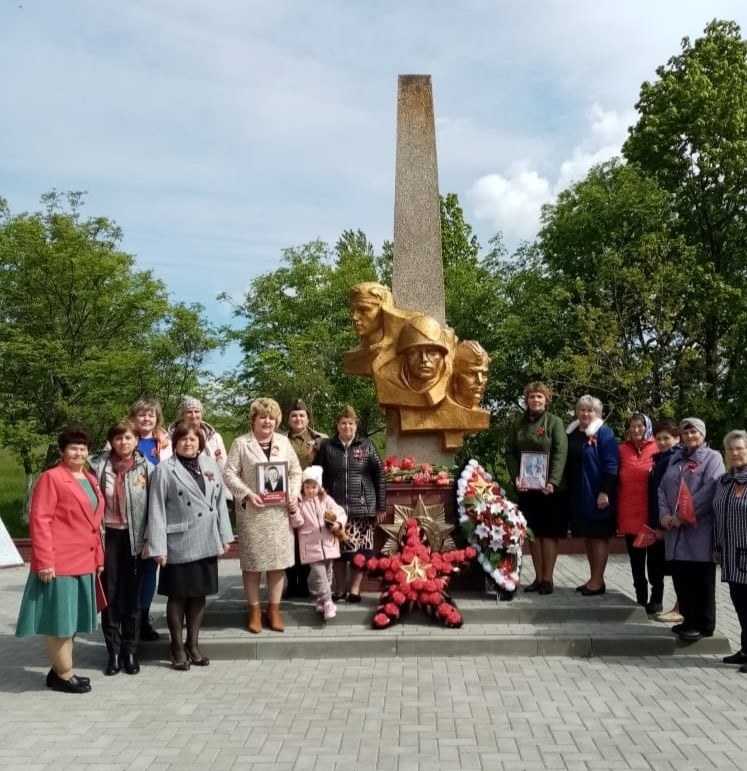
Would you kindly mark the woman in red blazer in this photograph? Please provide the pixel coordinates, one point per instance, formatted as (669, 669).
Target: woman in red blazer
(66, 558)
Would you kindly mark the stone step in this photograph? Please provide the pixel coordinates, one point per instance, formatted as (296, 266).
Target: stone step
(561, 624)
(345, 642)
(564, 605)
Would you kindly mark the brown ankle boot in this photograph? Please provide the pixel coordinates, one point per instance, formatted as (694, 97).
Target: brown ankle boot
(254, 624)
(273, 617)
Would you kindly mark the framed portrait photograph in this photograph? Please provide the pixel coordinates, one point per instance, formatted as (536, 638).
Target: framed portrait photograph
(533, 470)
(272, 481)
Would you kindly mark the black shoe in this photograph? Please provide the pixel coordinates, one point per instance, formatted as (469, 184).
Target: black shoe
(51, 675)
(113, 665)
(735, 658)
(131, 664)
(743, 669)
(147, 632)
(353, 597)
(533, 587)
(73, 685)
(690, 635)
(337, 596)
(545, 587)
(654, 607)
(586, 592)
(581, 588)
(677, 628)
(506, 596)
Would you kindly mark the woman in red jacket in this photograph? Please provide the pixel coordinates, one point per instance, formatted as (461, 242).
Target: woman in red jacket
(66, 557)
(636, 460)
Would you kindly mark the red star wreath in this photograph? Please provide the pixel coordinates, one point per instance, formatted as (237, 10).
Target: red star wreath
(417, 577)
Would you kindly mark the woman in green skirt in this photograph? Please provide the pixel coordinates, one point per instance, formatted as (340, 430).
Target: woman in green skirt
(66, 559)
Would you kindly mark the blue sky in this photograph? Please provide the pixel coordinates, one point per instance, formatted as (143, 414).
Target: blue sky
(218, 133)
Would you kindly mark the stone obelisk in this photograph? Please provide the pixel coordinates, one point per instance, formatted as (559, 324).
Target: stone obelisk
(418, 270)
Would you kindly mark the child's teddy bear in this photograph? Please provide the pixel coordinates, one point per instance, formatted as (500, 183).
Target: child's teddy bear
(330, 518)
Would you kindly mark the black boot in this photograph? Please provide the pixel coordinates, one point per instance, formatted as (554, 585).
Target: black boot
(131, 664)
(113, 665)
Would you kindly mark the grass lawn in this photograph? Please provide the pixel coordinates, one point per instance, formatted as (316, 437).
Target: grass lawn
(11, 495)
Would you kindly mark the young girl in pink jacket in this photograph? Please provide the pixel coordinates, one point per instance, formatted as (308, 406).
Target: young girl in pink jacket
(320, 522)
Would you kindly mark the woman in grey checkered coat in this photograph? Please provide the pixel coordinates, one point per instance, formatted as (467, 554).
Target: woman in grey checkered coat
(188, 529)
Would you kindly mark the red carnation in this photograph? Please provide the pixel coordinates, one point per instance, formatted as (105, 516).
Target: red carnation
(359, 561)
(443, 610)
(398, 597)
(408, 463)
(389, 576)
(391, 610)
(412, 595)
(470, 553)
(385, 563)
(380, 621)
(373, 564)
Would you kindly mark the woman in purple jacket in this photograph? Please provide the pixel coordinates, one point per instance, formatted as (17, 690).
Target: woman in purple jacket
(591, 475)
(689, 485)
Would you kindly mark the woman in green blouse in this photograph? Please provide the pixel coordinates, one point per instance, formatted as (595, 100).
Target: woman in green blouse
(536, 450)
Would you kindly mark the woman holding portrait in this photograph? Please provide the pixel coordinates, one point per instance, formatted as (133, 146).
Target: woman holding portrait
(591, 476)
(537, 431)
(188, 529)
(730, 534)
(265, 534)
(67, 558)
(686, 497)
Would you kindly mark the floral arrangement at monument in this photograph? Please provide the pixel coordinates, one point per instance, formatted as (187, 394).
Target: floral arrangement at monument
(416, 577)
(492, 524)
(408, 470)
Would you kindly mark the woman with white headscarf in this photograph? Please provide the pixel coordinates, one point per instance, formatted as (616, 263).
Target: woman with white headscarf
(686, 497)
(591, 474)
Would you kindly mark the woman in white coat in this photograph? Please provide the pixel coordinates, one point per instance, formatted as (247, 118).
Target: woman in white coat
(265, 534)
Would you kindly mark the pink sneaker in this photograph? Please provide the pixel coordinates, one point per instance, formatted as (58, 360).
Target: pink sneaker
(320, 606)
(329, 610)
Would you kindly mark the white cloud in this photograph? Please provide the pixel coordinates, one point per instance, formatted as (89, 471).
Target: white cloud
(511, 200)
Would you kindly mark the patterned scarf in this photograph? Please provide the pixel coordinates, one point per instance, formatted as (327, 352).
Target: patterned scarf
(739, 475)
(191, 464)
(120, 468)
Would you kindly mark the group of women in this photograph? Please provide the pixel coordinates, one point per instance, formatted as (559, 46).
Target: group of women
(662, 488)
(101, 525)
(157, 498)
(160, 499)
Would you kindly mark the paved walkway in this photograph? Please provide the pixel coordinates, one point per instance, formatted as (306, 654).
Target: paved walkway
(408, 714)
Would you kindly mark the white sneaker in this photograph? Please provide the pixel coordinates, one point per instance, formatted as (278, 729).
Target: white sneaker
(329, 610)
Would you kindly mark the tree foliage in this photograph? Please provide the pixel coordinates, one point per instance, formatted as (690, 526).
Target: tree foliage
(691, 138)
(82, 332)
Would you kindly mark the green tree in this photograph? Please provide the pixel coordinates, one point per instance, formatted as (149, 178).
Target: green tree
(82, 332)
(296, 326)
(691, 137)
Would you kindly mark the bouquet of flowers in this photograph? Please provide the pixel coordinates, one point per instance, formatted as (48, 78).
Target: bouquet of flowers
(492, 524)
(409, 471)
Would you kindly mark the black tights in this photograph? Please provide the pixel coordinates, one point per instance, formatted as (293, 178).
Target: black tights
(179, 609)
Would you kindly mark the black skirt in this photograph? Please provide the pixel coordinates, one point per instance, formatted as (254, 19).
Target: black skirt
(546, 515)
(189, 579)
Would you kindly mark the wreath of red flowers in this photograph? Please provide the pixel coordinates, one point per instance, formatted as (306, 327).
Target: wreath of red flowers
(417, 577)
